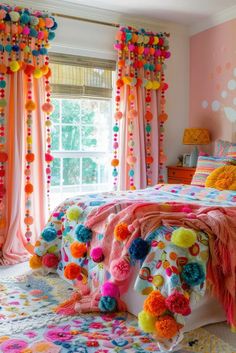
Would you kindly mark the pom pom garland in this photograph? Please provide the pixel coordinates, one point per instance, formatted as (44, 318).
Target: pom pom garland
(193, 274)
(147, 322)
(184, 237)
(83, 234)
(139, 249)
(155, 304)
(107, 304)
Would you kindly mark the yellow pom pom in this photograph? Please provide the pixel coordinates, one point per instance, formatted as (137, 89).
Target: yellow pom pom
(48, 123)
(127, 80)
(73, 213)
(155, 85)
(37, 73)
(146, 322)
(183, 237)
(29, 140)
(149, 85)
(35, 262)
(14, 66)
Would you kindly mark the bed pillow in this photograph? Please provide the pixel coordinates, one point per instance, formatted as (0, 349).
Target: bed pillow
(205, 166)
(222, 147)
(222, 178)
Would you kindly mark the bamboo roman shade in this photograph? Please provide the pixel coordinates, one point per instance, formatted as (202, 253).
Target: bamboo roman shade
(76, 76)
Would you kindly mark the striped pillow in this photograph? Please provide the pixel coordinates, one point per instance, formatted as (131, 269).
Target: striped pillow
(206, 165)
(222, 147)
(232, 152)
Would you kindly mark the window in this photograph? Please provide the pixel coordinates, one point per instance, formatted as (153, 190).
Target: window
(82, 128)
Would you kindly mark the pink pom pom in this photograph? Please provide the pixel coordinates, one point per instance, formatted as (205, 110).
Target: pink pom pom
(97, 254)
(115, 145)
(110, 289)
(50, 260)
(40, 35)
(131, 159)
(26, 31)
(49, 22)
(120, 269)
(48, 107)
(48, 157)
(2, 14)
(118, 115)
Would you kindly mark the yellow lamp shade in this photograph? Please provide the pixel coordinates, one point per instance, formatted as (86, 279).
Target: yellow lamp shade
(196, 136)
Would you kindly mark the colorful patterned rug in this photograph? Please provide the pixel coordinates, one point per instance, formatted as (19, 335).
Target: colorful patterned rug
(29, 325)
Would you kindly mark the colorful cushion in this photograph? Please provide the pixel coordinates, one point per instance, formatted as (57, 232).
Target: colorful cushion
(231, 152)
(222, 148)
(205, 166)
(222, 178)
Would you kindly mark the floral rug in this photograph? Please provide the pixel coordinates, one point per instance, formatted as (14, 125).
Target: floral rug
(28, 324)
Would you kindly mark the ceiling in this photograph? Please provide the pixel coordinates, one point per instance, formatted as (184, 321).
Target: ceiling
(187, 12)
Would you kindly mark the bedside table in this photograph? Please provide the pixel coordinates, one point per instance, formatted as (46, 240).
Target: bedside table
(180, 175)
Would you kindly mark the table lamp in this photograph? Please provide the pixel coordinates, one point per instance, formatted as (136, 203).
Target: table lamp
(195, 136)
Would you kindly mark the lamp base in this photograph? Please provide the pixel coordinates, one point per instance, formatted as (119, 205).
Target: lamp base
(193, 157)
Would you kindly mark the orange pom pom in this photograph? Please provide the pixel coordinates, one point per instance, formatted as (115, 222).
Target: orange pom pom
(29, 188)
(35, 262)
(78, 249)
(119, 83)
(115, 162)
(148, 116)
(167, 327)
(121, 231)
(49, 73)
(3, 69)
(155, 303)
(149, 159)
(29, 69)
(29, 157)
(72, 271)
(163, 117)
(28, 220)
(30, 105)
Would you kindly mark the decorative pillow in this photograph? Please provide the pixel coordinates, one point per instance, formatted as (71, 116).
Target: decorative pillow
(205, 166)
(222, 148)
(231, 152)
(222, 178)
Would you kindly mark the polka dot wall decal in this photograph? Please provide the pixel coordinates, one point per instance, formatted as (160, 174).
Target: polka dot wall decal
(204, 104)
(224, 94)
(215, 105)
(231, 85)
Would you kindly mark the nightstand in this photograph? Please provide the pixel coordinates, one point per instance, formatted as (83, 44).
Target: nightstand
(180, 175)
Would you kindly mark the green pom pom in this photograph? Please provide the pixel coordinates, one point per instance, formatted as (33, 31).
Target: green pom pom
(183, 237)
(3, 102)
(73, 213)
(146, 322)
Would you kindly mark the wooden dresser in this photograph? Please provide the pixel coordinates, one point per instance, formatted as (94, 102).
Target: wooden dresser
(180, 175)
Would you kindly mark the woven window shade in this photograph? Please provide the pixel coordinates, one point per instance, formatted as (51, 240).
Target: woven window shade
(81, 77)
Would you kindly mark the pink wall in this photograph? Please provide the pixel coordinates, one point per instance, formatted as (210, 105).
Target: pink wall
(213, 80)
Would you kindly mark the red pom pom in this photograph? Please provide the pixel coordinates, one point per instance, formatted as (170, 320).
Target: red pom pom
(72, 271)
(48, 157)
(50, 260)
(3, 157)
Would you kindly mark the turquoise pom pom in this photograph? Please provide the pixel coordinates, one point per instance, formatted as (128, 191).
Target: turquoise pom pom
(51, 35)
(2, 84)
(139, 249)
(43, 51)
(151, 67)
(116, 128)
(114, 173)
(49, 234)
(193, 274)
(33, 32)
(35, 52)
(24, 18)
(107, 303)
(131, 173)
(84, 234)
(146, 66)
(8, 48)
(148, 128)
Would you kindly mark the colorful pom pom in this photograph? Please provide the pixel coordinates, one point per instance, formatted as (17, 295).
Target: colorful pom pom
(97, 255)
(178, 303)
(47, 107)
(120, 269)
(14, 66)
(121, 231)
(72, 271)
(49, 234)
(84, 234)
(115, 162)
(73, 213)
(184, 237)
(50, 260)
(78, 250)
(167, 327)
(3, 157)
(110, 289)
(107, 304)
(48, 158)
(193, 274)
(139, 249)
(35, 262)
(155, 303)
(30, 105)
(29, 188)
(147, 322)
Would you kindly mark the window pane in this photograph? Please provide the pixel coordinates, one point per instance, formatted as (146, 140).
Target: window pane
(55, 116)
(71, 111)
(70, 138)
(55, 138)
(89, 171)
(89, 139)
(89, 108)
(71, 171)
(56, 172)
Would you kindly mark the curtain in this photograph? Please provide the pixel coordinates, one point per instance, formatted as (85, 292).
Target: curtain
(25, 133)
(138, 159)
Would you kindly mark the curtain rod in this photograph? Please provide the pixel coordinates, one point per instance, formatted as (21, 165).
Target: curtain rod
(116, 25)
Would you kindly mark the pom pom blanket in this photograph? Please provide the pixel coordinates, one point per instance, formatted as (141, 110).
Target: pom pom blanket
(180, 236)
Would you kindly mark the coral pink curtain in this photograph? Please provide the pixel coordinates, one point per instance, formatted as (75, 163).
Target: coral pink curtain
(140, 176)
(14, 246)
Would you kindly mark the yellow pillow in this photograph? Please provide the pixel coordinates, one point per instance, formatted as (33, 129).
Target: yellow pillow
(222, 178)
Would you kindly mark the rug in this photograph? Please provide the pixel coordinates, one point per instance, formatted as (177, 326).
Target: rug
(27, 300)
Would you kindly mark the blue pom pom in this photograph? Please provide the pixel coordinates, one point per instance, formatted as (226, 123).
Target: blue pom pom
(2, 84)
(131, 172)
(33, 33)
(139, 249)
(193, 274)
(107, 303)
(49, 234)
(54, 27)
(35, 52)
(84, 234)
(51, 35)
(15, 48)
(43, 51)
(24, 18)
(8, 48)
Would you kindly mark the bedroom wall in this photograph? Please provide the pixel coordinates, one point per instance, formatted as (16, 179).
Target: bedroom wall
(213, 80)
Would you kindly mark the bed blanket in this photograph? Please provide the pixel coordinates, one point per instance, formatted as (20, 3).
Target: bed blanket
(95, 242)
